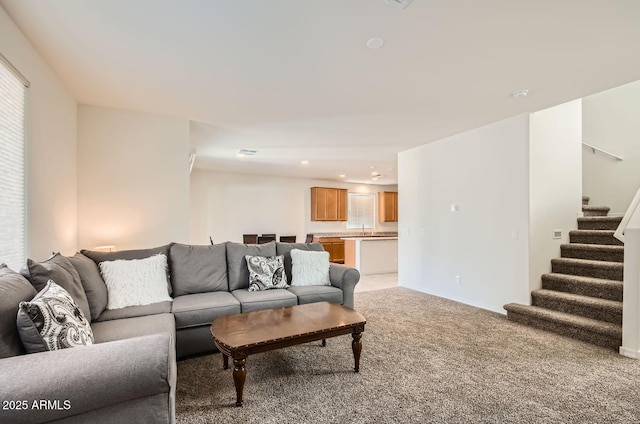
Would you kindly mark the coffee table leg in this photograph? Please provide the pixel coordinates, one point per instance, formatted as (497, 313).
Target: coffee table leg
(239, 375)
(356, 346)
(324, 342)
(225, 361)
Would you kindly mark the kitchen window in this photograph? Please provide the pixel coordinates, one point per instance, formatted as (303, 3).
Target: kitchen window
(361, 210)
(13, 197)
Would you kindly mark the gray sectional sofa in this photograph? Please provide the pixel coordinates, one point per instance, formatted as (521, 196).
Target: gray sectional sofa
(129, 373)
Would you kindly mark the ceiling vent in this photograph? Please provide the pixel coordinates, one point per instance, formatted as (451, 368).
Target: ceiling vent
(399, 3)
(246, 152)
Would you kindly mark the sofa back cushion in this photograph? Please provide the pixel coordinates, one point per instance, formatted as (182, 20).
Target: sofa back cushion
(286, 248)
(237, 264)
(198, 269)
(94, 286)
(59, 269)
(99, 256)
(14, 288)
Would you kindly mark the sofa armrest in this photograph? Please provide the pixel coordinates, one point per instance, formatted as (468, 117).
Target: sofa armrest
(46, 386)
(345, 278)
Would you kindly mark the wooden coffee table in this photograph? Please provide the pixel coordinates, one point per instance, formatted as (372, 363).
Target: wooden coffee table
(241, 335)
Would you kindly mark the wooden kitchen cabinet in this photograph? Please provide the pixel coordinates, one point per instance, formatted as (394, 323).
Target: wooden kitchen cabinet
(387, 206)
(335, 247)
(328, 204)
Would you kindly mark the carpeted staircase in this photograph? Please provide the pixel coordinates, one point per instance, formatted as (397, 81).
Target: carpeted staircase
(582, 296)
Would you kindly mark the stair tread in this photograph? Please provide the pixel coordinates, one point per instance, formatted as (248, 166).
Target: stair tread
(580, 299)
(600, 218)
(590, 231)
(595, 208)
(591, 262)
(593, 325)
(583, 279)
(587, 246)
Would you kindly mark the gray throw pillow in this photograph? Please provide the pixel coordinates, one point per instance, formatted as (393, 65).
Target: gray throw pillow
(52, 321)
(198, 269)
(237, 263)
(14, 288)
(94, 286)
(59, 269)
(266, 273)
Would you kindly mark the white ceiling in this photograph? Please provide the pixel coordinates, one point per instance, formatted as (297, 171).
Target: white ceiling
(294, 79)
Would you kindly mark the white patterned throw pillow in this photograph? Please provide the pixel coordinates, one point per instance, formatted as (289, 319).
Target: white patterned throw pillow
(266, 272)
(135, 282)
(52, 321)
(309, 268)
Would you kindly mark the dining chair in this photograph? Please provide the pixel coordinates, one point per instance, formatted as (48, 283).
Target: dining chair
(288, 239)
(309, 238)
(249, 238)
(266, 238)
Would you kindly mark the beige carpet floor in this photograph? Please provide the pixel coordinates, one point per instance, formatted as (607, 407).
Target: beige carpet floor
(424, 360)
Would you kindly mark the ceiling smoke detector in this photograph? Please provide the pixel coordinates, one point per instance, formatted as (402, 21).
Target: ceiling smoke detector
(519, 94)
(399, 3)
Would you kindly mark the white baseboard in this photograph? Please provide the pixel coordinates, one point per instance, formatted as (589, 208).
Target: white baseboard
(629, 353)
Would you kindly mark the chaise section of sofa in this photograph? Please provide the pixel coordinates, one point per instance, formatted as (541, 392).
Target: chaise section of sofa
(129, 380)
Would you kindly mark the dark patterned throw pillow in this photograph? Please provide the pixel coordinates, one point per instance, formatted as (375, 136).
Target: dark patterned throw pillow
(52, 321)
(266, 272)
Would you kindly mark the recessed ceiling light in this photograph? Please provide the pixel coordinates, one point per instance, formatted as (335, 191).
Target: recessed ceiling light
(519, 94)
(304, 162)
(342, 176)
(375, 43)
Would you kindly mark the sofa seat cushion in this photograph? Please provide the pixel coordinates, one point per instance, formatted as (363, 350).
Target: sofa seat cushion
(107, 331)
(198, 269)
(258, 300)
(14, 288)
(311, 294)
(135, 311)
(194, 310)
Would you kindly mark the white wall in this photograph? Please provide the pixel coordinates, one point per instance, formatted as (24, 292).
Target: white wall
(227, 205)
(611, 122)
(133, 178)
(485, 172)
(51, 148)
(555, 183)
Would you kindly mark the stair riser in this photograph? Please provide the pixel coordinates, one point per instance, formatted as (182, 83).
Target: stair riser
(606, 272)
(606, 239)
(560, 305)
(584, 224)
(567, 330)
(594, 255)
(608, 292)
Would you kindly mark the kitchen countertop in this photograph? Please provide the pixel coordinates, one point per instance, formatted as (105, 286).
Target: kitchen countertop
(358, 234)
(371, 238)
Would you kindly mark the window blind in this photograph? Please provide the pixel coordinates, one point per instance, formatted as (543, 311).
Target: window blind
(13, 202)
(361, 210)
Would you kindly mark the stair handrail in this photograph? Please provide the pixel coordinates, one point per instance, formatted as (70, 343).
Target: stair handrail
(619, 233)
(597, 149)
